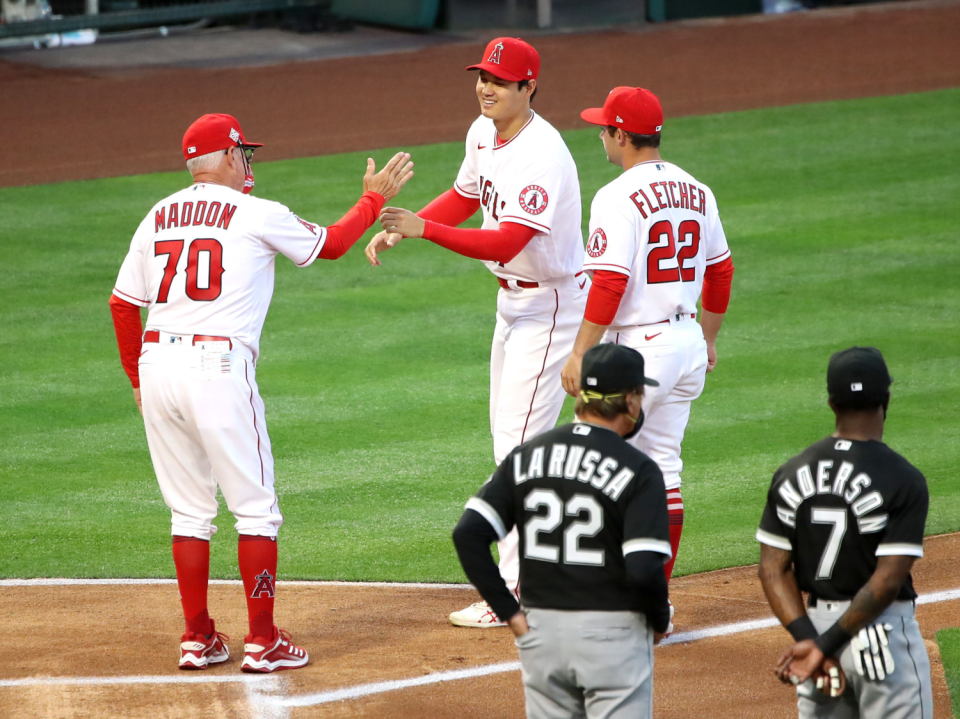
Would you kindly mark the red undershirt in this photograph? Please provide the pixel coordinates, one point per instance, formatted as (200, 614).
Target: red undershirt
(450, 209)
(608, 289)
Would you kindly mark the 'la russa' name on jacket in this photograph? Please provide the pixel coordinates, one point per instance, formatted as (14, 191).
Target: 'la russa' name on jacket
(182, 214)
(577, 463)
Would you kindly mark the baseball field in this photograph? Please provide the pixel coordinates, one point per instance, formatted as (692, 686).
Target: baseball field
(842, 219)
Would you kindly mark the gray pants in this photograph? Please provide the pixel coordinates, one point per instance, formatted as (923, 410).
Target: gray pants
(904, 694)
(587, 664)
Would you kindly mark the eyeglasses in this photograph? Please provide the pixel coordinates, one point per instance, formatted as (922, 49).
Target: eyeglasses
(247, 151)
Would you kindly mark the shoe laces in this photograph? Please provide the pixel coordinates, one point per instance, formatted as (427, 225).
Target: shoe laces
(287, 639)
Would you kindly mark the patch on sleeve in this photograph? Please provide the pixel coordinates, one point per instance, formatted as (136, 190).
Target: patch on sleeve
(533, 199)
(597, 243)
(308, 225)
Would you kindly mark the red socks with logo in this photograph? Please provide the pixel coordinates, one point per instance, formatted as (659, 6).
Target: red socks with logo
(675, 513)
(192, 559)
(258, 568)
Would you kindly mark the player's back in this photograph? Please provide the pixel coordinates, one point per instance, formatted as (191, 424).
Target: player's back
(201, 263)
(842, 504)
(582, 497)
(660, 226)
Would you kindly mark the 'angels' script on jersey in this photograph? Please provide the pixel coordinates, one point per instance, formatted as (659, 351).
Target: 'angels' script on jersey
(576, 463)
(839, 485)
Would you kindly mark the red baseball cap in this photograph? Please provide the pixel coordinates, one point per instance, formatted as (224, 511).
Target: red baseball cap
(211, 133)
(510, 58)
(630, 108)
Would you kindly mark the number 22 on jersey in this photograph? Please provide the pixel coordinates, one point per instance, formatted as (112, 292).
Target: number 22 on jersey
(204, 268)
(572, 552)
(675, 250)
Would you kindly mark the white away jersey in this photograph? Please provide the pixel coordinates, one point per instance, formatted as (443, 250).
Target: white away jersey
(531, 179)
(659, 226)
(202, 260)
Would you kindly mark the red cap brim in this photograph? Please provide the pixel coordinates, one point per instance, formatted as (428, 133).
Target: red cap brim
(251, 144)
(595, 116)
(498, 71)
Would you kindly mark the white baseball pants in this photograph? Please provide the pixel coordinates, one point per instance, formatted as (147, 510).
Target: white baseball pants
(675, 355)
(533, 338)
(206, 428)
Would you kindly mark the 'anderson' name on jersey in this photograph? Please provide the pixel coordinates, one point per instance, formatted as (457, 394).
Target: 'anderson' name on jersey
(582, 499)
(838, 506)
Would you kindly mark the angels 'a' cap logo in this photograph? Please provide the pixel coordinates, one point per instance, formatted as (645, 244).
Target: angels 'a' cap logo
(495, 55)
(234, 135)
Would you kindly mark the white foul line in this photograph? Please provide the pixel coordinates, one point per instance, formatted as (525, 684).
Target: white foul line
(363, 690)
(307, 700)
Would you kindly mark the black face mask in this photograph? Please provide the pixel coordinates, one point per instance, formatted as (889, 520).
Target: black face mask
(638, 423)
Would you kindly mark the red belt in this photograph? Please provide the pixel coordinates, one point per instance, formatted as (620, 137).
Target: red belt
(154, 336)
(523, 284)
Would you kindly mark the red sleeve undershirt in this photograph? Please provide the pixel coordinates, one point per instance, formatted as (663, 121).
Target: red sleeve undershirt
(126, 323)
(450, 209)
(605, 295)
(500, 245)
(716, 287)
(342, 235)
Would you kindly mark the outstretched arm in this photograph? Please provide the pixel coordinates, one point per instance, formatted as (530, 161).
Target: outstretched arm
(451, 208)
(377, 189)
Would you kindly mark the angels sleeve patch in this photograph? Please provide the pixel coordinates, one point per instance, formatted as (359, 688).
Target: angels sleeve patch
(533, 199)
(597, 243)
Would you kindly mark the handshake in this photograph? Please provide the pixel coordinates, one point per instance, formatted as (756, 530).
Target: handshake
(397, 223)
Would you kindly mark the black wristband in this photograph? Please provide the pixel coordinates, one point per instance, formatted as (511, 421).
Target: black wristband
(802, 628)
(833, 640)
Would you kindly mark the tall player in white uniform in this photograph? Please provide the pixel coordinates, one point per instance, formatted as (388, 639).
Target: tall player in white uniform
(519, 171)
(202, 262)
(655, 241)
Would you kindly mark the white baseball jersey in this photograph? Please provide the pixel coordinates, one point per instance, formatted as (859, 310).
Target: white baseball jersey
(531, 179)
(659, 226)
(203, 261)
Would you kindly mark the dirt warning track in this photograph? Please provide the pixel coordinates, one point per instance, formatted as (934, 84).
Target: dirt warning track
(98, 651)
(78, 124)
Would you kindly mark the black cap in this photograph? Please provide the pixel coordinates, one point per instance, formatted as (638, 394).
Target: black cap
(610, 369)
(858, 377)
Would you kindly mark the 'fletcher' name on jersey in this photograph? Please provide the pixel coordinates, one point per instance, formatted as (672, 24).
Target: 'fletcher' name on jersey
(672, 195)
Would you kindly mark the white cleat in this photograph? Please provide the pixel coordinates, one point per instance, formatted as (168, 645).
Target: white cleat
(478, 616)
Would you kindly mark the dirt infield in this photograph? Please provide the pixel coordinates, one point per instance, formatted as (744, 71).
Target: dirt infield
(110, 651)
(62, 124)
(362, 635)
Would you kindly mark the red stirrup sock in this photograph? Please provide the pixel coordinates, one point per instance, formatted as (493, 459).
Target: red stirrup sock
(192, 559)
(258, 568)
(675, 513)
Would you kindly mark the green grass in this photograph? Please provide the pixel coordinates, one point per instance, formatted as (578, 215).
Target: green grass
(842, 218)
(949, 641)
